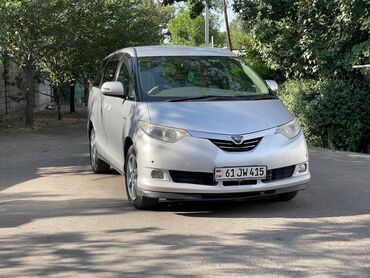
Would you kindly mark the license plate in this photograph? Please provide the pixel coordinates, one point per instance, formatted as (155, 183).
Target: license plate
(240, 173)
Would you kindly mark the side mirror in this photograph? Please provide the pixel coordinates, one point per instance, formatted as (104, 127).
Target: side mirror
(113, 89)
(272, 85)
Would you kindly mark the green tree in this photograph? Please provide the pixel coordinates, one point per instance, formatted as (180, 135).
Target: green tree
(22, 28)
(93, 29)
(243, 42)
(314, 45)
(239, 37)
(185, 30)
(196, 7)
(66, 40)
(308, 38)
(4, 60)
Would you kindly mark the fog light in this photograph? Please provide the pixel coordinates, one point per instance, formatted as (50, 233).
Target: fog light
(301, 168)
(157, 174)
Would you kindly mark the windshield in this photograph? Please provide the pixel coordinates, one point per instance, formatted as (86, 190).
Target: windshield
(177, 78)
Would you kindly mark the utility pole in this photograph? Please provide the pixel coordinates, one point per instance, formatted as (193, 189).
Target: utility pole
(229, 45)
(206, 24)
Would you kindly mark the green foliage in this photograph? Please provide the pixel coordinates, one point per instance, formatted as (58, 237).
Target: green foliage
(239, 38)
(315, 44)
(308, 38)
(22, 28)
(68, 39)
(187, 31)
(242, 42)
(93, 29)
(196, 7)
(333, 112)
(255, 61)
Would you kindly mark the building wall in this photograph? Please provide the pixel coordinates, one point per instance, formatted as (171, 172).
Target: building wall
(43, 95)
(15, 78)
(16, 103)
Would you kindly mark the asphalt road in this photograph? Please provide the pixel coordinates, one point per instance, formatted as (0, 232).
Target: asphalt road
(59, 219)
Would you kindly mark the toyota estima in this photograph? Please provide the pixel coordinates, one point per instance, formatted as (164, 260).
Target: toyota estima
(187, 123)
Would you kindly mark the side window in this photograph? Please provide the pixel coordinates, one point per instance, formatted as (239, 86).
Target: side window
(110, 72)
(128, 84)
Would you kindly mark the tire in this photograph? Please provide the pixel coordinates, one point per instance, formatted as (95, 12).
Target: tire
(98, 166)
(285, 197)
(131, 177)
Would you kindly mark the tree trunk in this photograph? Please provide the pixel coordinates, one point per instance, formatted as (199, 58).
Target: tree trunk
(86, 91)
(72, 98)
(30, 91)
(6, 80)
(57, 100)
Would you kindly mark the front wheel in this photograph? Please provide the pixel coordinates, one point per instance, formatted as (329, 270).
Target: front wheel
(131, 177)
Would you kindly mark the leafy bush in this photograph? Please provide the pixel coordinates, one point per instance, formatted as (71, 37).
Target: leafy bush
(334, 113)
(256, 62)
(306, 39)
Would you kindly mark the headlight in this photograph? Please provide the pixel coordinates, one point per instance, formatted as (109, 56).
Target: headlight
(166, 134)
(289, 130)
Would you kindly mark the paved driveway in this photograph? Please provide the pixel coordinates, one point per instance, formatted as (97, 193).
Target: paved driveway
(58, 219)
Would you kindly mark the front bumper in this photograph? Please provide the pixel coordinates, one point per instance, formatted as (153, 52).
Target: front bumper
(221, 196)
(195, 154)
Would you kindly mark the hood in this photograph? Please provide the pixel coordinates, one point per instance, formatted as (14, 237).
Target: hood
(224, 117)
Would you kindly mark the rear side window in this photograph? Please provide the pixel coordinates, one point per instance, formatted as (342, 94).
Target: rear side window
(100, 74)
(110, 72)
(126, 78)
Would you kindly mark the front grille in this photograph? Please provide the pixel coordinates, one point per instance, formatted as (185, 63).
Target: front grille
(207, 178)
(279, 173)
(230, 146)
(192, 177)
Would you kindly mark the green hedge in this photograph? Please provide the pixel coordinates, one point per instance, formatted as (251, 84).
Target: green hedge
(333, 113)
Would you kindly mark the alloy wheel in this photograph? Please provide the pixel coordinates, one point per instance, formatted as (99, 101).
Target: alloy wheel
(132, 176)
(93, 151)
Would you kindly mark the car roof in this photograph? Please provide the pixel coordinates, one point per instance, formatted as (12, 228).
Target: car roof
(153, 51)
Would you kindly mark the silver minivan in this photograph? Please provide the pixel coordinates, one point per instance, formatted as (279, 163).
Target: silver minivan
(193, 123)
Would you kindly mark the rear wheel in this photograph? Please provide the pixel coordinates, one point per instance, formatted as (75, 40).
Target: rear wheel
(98, 165)
(131, 177)
(286, 196)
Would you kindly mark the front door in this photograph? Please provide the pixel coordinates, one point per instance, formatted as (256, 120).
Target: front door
(118, 115)
(96, 111)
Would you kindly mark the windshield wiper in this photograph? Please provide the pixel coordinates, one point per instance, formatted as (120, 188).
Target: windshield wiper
(209, 97)
(213, 97)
